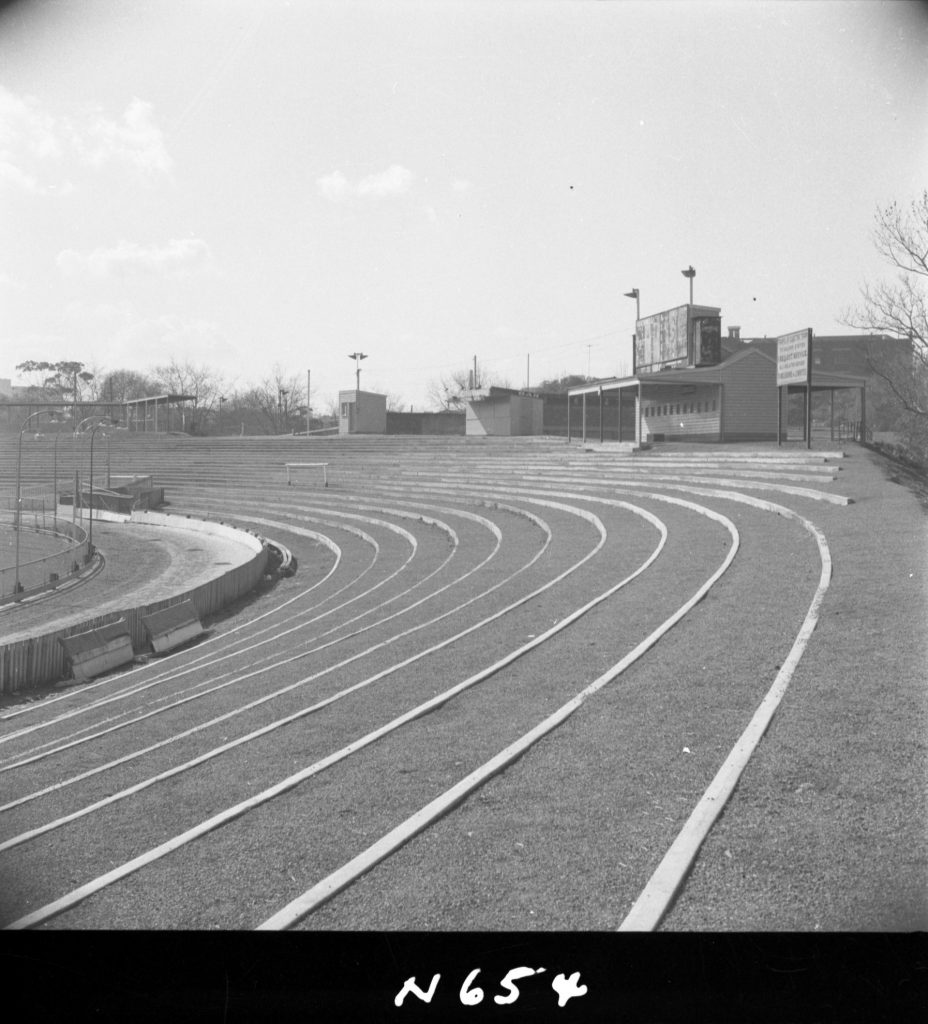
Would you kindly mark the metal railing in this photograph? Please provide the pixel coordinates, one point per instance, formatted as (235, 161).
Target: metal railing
(37, 574)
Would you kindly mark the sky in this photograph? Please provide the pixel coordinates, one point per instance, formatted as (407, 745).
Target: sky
(263, 187)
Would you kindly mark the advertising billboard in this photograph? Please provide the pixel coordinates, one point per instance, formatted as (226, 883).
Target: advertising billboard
(794, 357)
(682, 336)
(661, 339)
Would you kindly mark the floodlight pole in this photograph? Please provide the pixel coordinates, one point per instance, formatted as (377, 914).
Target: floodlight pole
(103, 422)
(55, 483)
(357, 357)
(634, 294)
(690, 273)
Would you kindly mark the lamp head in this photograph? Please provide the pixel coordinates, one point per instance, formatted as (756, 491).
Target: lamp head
(689, 272)
(633, 294)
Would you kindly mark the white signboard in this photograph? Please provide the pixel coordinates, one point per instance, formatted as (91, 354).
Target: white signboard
(793, 357)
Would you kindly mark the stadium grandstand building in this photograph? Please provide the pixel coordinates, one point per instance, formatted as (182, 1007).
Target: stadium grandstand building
(690, 384)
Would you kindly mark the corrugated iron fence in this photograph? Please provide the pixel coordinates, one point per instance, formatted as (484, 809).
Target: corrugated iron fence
(41, 660)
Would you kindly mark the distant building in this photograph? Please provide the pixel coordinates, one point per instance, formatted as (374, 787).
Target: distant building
(6, 388)
(502, 412)
(691, 384)
(362, 412)
(420, 423)
(845, 353)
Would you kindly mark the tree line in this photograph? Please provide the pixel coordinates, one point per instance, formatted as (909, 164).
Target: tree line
(275, 405)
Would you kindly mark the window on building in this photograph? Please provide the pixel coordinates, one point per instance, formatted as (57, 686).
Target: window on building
(344, 410)
(713, 405)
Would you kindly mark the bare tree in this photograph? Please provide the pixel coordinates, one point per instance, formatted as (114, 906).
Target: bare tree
(201, 383)
(123, 386)
(899, 310)
(273, 405)
(449, 390)
(395, 401)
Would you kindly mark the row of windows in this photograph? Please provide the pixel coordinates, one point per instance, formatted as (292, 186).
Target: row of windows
(679, 408)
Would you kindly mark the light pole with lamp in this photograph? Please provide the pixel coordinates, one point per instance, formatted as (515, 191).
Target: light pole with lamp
(690, 273)
(53, 413)
(634, 294)
(357, 357)
(103, 421)
(64, 418)
(116, 426)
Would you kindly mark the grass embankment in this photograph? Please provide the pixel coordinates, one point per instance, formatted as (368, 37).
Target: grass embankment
(826, 830)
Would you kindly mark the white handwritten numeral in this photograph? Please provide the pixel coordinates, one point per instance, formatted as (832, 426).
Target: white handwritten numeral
(471, 996)
(409, 985)
(507, 982)
(567, 988)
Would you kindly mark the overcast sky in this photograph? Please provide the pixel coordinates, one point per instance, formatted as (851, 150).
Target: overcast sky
(244, 184)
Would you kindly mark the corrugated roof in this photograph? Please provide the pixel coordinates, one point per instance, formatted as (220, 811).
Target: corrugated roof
(161, 399)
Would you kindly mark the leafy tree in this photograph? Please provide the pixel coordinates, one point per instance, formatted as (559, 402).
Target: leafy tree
(898, 309)
(58, 380)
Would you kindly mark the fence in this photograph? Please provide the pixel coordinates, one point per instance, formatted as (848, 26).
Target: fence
(38, 660)
(46, 571)
(850, 430)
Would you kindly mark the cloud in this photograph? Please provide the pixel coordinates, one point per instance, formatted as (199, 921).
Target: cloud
(6, 281)
(17, 177)
(134, 139)
(461, 185)
(98, 314)
(334, 187)
(394, 181)
(167, 337)
(179, 257)
(35, 145)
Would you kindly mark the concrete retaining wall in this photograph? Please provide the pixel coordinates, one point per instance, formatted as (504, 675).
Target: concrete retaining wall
(41, 660)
